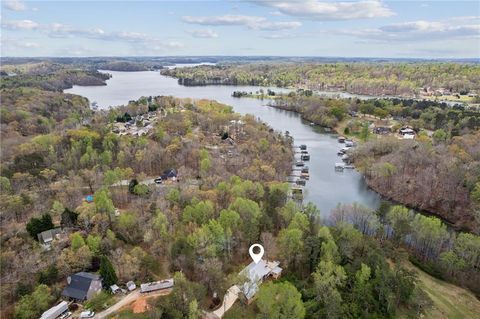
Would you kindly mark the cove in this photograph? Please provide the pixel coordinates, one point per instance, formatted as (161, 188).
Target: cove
(326, 187)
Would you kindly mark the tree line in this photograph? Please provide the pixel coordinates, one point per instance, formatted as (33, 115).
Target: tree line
(402, 79)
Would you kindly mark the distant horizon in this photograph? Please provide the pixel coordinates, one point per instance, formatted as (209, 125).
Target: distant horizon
(476, 59)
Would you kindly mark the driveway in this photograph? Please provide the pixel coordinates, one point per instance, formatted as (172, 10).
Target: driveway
(128, 299)
(228, 300)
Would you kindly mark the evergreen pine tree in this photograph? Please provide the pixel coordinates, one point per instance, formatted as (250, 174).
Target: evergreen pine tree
(107, 272)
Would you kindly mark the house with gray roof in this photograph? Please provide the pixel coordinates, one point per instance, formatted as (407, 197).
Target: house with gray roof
(46, 237)
(256, 273)
(82, 286)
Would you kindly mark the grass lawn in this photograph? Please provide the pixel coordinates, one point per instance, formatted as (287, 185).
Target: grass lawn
(449, 301)
(241, 311)
(453, 98)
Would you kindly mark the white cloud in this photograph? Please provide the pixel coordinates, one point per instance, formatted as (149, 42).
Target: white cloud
(203, 33)
(419, 30)
(57, 30)
(20, 43)
(278, 36)
(274, 26)
(251, 22)
(20, 25)
(14, 5)
(321, 10)
(276, 13)
(229, 19)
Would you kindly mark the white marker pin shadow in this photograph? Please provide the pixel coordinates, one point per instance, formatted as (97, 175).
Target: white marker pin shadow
(256, 257)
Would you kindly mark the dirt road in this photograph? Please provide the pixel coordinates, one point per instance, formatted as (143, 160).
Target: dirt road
(128, 299)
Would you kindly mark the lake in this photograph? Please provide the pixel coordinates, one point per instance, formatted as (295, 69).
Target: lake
(326, 187)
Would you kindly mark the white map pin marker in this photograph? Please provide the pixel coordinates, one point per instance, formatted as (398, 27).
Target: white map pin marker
(256, 257)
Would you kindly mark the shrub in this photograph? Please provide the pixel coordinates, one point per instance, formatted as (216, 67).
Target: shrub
(100, 302)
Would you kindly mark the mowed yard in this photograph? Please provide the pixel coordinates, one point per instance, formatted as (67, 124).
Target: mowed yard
(449, 301)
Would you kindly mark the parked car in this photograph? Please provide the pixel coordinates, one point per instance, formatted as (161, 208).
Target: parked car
(158, 180)
(65, 315)
(87, 314)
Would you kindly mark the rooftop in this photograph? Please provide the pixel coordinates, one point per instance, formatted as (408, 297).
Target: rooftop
(256, 273)
(79, 284)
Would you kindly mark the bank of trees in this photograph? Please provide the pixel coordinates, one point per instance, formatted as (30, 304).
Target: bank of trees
(52, 77)
(440, 178)
(363, 78)
(447, 121)
(439, 251)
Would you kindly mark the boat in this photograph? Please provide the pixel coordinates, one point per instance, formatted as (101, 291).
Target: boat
(297, 192)
(305, 169)
(291, 179)
(305, 176)
(339, 166)
(300, 182)
(299, 164)
(341, 139)
(303, 147)
(349, 143)
(349, 166)
(305, 157)
(304, 152)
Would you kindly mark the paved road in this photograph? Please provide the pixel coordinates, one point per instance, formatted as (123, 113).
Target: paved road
(128, 299)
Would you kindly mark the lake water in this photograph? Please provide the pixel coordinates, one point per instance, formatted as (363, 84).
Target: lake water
(326, 187)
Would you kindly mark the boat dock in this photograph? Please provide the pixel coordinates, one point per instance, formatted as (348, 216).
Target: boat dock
(300, 173)
(345, 154)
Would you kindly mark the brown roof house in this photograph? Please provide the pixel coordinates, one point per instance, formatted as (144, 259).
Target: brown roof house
(82, 286)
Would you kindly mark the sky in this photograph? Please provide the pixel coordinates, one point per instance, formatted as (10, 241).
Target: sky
(365, 28)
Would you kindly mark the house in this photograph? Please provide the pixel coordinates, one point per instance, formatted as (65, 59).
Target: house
(131, 286)
(157, 285)
(382, 130)
(256, 273)
(46, 237)
(82, 286)
(55, 311)
(407, 131)
(169, 175)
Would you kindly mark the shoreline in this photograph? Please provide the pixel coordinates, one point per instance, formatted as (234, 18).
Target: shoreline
(383, 196)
